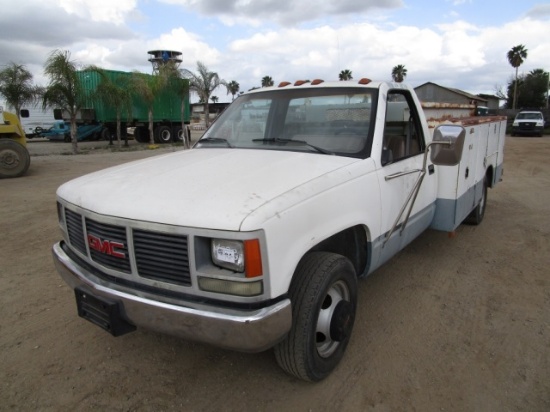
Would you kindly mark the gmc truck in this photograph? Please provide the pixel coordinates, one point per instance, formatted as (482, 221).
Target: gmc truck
(256, 237)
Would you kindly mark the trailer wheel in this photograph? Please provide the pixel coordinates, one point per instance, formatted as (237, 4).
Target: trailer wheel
(105, 134)
(324, 298)
(178, 133)
(139, 135)
(163, 134)
(67, 138)
(14, 159)
(476, 216)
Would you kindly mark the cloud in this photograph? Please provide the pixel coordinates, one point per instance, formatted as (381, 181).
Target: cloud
(285, 13)
(539, 12)
(98, 10)
(457, 54)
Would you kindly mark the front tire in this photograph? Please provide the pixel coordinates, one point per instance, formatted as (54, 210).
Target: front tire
(324, 299)
(14, 159)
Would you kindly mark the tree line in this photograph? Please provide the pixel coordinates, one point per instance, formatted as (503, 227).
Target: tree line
(65, 92)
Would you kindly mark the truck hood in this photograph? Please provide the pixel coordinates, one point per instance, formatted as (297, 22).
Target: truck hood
(207, 188)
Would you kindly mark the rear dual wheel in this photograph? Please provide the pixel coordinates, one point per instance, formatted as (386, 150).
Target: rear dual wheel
(163, 134)
(476, 216)
(324, 299)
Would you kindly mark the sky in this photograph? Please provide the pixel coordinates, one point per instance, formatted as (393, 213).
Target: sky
(454, 43)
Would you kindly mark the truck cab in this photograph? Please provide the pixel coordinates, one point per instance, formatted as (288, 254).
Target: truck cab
(528, 122)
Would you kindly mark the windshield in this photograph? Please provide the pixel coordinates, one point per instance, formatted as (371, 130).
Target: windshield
(529, 116)
(333, 121)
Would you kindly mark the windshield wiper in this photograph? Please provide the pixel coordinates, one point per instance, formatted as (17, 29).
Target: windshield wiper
(216, 140)
(302, 142)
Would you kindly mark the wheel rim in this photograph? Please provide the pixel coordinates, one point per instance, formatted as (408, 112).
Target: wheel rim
(9, 159)
(165, 136)
(335, 319)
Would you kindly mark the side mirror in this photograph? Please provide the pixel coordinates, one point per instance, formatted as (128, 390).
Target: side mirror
(448, 141)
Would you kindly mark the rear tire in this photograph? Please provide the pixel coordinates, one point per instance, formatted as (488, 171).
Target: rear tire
(105, 134)
(476, 216)
(178, 134)
(141, 135)
(163, 134)
(324, 299)
(14, 159)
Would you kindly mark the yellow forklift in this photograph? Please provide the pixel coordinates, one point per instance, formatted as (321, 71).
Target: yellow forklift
(14, 156)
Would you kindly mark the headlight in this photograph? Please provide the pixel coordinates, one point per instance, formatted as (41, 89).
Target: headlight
(228, 254)
(238, 256)
(515, 124)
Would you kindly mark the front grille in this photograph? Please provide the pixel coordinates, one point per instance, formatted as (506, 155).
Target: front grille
(108, 245)
(161, 256)
(158, 256)
(527, 126)
(75, 231)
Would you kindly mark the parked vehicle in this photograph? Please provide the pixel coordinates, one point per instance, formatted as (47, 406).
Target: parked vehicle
(14, 156)
(528, 122)
(34, 119)
(290, 196)
(61, 131)
(167, 112)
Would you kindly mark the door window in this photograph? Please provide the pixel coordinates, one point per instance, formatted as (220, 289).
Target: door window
(403, 135)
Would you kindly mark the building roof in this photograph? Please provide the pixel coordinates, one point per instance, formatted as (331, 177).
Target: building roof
(457, 91)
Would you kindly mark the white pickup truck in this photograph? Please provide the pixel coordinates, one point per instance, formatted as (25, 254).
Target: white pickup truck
(256, 237)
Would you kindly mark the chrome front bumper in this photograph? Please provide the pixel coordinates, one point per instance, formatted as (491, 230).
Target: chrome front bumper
(243, 330)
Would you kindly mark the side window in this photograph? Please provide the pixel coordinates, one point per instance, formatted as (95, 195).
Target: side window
(403, 135)
(24, 113)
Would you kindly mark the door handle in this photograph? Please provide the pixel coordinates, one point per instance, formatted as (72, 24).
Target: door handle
(431, 169)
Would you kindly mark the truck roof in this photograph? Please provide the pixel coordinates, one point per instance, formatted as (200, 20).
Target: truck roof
(364, 82)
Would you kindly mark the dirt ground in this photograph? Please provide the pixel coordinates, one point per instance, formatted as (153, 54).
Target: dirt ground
(450, 324)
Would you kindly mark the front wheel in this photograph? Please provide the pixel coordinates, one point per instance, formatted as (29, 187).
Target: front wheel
(14, 159)
(324, 299)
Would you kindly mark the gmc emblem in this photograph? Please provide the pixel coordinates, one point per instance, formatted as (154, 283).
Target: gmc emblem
(109, 247)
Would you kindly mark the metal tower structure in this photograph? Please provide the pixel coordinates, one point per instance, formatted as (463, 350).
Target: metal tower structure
(159, 58)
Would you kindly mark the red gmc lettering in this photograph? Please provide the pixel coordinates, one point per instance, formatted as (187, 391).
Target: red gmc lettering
(108, 247)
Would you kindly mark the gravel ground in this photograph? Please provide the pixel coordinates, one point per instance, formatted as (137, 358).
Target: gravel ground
(450, 324)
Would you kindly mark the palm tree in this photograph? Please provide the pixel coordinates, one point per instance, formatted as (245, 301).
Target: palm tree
(232, 88)
(204, 82)
(399, 73)
(214, 99)
(64, 90)
(267, 81)
(16, 86)
(516, 55)
(114, 92)
(148, 87)
(345, 75)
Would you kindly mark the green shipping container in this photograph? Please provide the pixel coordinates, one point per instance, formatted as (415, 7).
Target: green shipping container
(166, 108)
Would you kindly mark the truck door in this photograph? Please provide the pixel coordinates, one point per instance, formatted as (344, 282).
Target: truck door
(402, 158)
